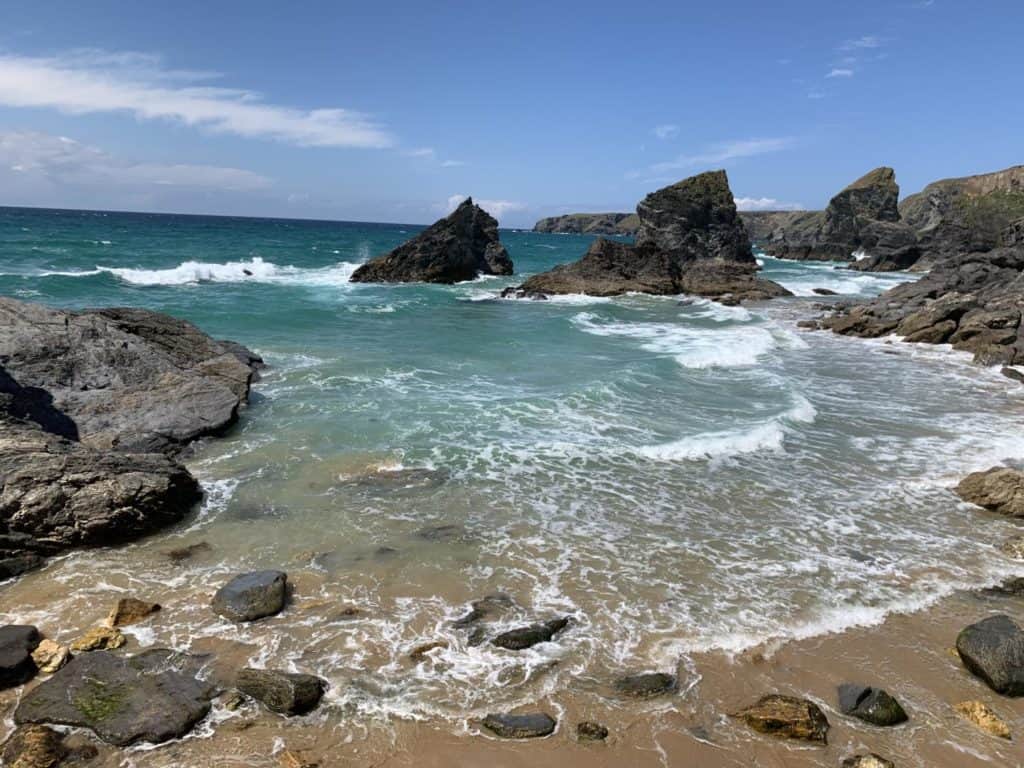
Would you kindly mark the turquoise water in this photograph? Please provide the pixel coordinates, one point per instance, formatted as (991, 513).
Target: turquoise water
(676, 475)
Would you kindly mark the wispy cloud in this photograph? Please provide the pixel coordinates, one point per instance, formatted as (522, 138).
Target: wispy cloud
(667, 131)
(64, 161)
(860, 43)
(840, 72)
(715, 155)
(765, 204)
(497, 208)
(421, 152)
(452, 163)
(89, 81)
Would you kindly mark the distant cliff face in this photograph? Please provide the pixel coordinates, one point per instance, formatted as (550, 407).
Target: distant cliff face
(590, 224)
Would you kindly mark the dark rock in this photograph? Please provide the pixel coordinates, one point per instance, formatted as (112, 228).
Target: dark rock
(591, 731)
(825, 292)
(646, 685)
(520, 726)
(152, 697)
(252, 596)
(1013, 235)
(460, 247)
(517, 292)
(443, 532)
(34, 746)
(999, 489)
(485, 609)
(872, 705)
(521, 638)
(590, 224)
(1012, 587)
(181, 554)
(419, 653)
(787, 717)
(287, 693)
(868, 761)
(16, 645)
(993, 649)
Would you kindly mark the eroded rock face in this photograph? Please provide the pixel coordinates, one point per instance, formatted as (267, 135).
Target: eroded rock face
(999, 489)
(993, 649)
(787, 717)
(460, 247)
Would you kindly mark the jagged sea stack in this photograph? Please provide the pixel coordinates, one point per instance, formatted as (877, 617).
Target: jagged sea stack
(459, 247)
(690, 240)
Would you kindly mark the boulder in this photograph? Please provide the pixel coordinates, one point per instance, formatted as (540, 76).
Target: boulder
(999, 489)
(252, 596)
(646, 685)
(460, 247)
(872, 705)
(528, 726)
(50, 656)
(521, 638)
(287, 693)
(993, 649)
(868, 761)
(34, 746)
(99, 639)
(588, 730)
(983, 716)
(130, 610)
(786, 717)
(152, 697)
(16, 645)
(590, 224)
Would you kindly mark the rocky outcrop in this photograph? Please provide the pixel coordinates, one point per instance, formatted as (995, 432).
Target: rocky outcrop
(590, 224)
(993, 649)
(252, 596)
(999, 489)
(786, 717)
(973, 302)
(690, 240)
(460, 247)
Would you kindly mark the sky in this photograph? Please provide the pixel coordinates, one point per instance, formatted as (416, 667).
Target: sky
(395, 111)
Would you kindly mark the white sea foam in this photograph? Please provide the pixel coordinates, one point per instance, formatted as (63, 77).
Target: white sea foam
(255, 270)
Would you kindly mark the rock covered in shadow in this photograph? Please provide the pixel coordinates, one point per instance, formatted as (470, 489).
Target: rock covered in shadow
(786, 717)
(252, 596)
(460, 247)
(872, 705)
(528, 726)
(646, 685)
(984, 717)
(287, 693)
(999, 489)
(17, 666)
(993, 649)
(152, 697)
(520, 638)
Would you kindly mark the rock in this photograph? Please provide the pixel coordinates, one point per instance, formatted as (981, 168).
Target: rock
(460, 247)
(521, 638)
(999, 489)
(825, 292)
(1011, 587)
(1013, 547)
(129, 610)
(1012, 373)
(50, 656)
(517, 292)
(646, 685)
(287, 693)
(591, 731)
(1013, 235)
(984, 717)
(291, 758)
(34, 746)
(485, 609)
(521, 726)
(151, 697)
(993, 649)
(16, 645)
(181, 554)
(867, 761)
(787, 717)
(99, 639)
(234, 701)
(252, 596)
(872, 705)
(590, 224)
(690, 240)
(419, 653)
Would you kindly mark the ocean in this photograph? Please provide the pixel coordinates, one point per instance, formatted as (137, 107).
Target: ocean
(676, 475)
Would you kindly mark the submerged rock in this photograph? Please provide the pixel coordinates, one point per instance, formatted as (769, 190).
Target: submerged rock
(520, 638)
(152, 697)
(130, 610)
(50, 656)
(999, 489)
(419, 653)
(993, 649)
(181, 554)
(460, 247)
(787, 717)
(521, 726)
(868, 761)
(16, 645)
(287, 693)
(872, 705)
(588, 730)
(981, 715)
(646, 685)
(99, 639)
(252, 596)
(485, 609)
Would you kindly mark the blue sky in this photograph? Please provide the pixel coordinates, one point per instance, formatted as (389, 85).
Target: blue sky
(391, 111)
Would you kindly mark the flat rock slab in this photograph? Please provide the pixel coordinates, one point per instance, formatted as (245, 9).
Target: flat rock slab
(520, 638)
(787, 717)
(529, 726)
(252, 596)
(993, 649)
(646, 685)
(17, 642)
(287, 693)
(152, 697)
(872, 705)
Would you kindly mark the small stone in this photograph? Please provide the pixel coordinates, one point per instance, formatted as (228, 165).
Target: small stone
(872, 705)
(50, 656)
(646, 685)
(16, 645)
(99, 639)
(419, 653)
(34, 746)
(292, 758)
(128, 610)
(252, 596)
(588, 730)
(984, 717)
(1013, 547)
(868, 761)
(234, 701)
(287, 693)
(181, 554)
(529, 726)
(520, 638)
(787, 717)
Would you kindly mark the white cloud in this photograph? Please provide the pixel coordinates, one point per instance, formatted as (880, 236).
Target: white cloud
(84, 82)
(840, 73)
(860, 43)
(666, 131)
(64, 161)
(497, 208)
(715, 155)
(765, 204)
